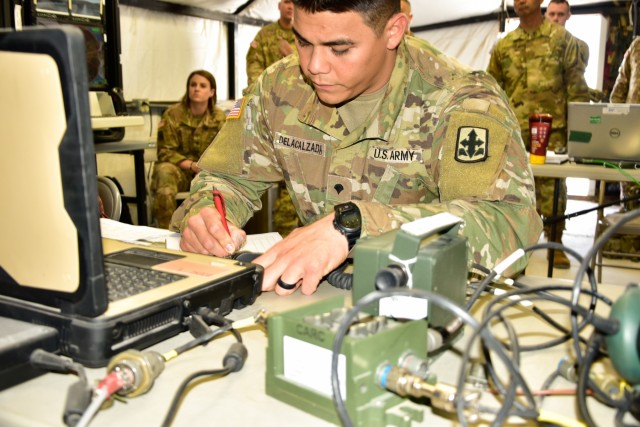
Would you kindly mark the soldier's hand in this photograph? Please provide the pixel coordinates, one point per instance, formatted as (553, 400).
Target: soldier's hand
(205, 234)
(284, 47)
(304, 257)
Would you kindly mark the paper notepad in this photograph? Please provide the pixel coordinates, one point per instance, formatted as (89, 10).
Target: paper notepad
(143, 235)
(258, 243)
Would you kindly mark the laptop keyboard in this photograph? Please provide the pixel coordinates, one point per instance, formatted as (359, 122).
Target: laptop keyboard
(124, 281)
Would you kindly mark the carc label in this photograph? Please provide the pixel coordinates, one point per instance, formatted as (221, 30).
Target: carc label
(310, 366)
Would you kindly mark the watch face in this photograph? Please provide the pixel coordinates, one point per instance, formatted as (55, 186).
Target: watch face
(350, 219)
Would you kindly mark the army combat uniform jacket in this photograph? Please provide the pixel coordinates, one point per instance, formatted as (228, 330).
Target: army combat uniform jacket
(182, 136)
(264, 50)
(443, 139)
(540, 70)
(627, 86)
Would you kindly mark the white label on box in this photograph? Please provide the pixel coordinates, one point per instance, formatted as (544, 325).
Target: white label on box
(310, 366)
(403, 307)
(618, 109)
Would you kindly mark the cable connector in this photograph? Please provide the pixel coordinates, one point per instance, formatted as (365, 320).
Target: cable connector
(113, 382)
(416, 366)
(260, 318)
(442, 396)
(137, 370)
(607, 383)
(235, 357)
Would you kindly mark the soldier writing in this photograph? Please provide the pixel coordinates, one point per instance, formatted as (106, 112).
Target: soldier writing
(369, 129)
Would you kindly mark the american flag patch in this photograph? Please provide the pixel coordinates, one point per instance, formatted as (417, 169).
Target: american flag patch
(236, 110)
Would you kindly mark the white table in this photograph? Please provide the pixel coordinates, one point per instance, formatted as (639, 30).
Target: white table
(574, 170)
(239, 399)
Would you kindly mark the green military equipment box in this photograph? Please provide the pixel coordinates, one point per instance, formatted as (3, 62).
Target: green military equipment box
(433, 257)
(299, 363)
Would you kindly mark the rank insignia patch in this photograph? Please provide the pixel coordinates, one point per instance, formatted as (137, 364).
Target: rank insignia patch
(472, 144)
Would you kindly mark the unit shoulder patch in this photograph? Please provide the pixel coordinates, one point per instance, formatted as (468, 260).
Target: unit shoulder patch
(472, 144)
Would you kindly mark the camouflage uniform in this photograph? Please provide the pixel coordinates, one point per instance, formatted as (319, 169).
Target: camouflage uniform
(595, 95)
(541, 71)
(264, 51)
(627, 90)
(180, 136)
(583, 48)
(627, 86)
(443, 139)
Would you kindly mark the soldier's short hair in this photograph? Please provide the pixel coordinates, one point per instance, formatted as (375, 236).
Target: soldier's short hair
(376, 13)
(560, 2)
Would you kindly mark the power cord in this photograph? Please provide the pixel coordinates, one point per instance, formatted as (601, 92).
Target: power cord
(233, 361)
(339, 279)
(132, 372)
(434, 298)
(78, 394)
(512, 403)
(585, 268)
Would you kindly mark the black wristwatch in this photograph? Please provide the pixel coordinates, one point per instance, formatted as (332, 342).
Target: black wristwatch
(348, 222)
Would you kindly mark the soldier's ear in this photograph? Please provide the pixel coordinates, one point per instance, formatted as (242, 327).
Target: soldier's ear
(395, 29)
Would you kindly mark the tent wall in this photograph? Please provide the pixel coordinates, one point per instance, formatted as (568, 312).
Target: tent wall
(470, 44)
(162, 41)
(160, 50)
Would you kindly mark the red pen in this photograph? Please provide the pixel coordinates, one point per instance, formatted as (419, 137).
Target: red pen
(221, 208)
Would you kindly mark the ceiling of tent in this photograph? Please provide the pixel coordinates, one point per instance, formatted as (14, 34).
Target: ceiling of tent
(425, 12)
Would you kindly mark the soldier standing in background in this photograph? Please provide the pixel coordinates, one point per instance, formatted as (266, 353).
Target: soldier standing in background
(627, 90)
(539, 66)
(272, 43)
(370, 130)
(185, 131)
(627, 86)
(559, 12)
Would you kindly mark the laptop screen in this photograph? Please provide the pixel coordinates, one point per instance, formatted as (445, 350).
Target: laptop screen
(51, 250)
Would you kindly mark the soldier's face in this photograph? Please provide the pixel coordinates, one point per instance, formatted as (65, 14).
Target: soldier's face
(558, 13)
(342, 56)
(525, 8)
(286, 9)
(200, 89)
